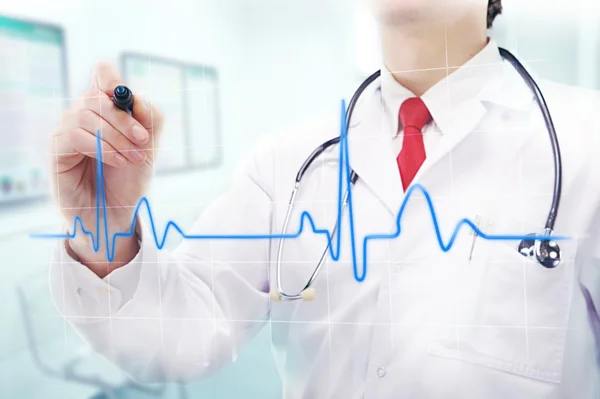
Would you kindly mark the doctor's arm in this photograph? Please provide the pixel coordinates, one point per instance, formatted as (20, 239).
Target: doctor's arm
(177, 315)
(159, 315)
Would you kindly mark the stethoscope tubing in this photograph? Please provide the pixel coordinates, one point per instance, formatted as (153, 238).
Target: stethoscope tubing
(280, 294)
(543, 107)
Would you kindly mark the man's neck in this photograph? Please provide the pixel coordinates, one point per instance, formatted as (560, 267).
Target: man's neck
(418, 59)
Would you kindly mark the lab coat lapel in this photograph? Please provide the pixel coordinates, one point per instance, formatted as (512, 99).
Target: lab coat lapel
(505, 88)
(370, 149)
(370, 152)
(369, 141)
(456, 128)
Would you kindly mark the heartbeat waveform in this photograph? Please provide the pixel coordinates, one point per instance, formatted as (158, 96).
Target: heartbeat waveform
(305, 217)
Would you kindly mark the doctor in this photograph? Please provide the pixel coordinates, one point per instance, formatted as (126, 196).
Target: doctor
(479, 321)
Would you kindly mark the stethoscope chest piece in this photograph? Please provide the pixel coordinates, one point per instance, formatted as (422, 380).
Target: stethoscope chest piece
(546, 252)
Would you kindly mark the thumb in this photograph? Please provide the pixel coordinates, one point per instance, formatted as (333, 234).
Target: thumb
(106, 77)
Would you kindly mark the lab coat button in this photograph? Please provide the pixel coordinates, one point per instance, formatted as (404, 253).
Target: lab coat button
(381, 372)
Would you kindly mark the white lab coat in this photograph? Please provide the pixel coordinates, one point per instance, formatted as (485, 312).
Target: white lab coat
(424, 323)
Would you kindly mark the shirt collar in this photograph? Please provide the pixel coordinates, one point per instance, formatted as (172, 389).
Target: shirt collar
(445, 97)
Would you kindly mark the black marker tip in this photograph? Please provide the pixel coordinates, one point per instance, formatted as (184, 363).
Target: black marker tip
(123, 98)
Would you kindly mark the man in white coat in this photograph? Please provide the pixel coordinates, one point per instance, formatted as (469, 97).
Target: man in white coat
(479, 321)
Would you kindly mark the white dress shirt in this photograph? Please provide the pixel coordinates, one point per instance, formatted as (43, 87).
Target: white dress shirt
(440, 98)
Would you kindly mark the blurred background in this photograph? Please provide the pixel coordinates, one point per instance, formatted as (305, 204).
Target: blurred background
(226, 73)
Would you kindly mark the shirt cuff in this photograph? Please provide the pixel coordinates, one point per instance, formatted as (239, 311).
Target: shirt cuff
(83, 297)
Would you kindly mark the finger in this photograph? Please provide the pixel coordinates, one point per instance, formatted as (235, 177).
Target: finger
(80, 142)
(91, 122)
(149, 116)
(99, 103)
(106, 77)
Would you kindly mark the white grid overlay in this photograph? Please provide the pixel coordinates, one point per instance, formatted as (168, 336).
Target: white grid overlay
(329, 322)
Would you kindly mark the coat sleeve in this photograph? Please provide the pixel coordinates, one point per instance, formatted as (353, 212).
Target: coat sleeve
(176, 316)
(588, 253)
(589, 273)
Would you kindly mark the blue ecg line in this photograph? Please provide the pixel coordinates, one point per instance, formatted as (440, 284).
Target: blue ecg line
(305, 217)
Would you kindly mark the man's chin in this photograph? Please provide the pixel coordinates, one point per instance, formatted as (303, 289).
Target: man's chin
(394, 12)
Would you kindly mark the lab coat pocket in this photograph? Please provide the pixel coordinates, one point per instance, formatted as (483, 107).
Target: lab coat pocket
(511, 313)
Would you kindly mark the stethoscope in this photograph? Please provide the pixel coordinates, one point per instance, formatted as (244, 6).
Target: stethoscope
(545, 251)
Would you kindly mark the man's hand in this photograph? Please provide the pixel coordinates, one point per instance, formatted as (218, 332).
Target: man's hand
(127, 153)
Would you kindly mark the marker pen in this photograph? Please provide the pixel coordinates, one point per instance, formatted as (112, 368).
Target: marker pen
(123, 98)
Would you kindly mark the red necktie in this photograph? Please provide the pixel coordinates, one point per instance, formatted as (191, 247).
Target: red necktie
(413, 116)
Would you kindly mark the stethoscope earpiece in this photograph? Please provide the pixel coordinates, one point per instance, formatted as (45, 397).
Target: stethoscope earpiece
(274, 295)
(546, 252)
(309, 294)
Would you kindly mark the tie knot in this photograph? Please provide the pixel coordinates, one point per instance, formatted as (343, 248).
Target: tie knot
(414, 112)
